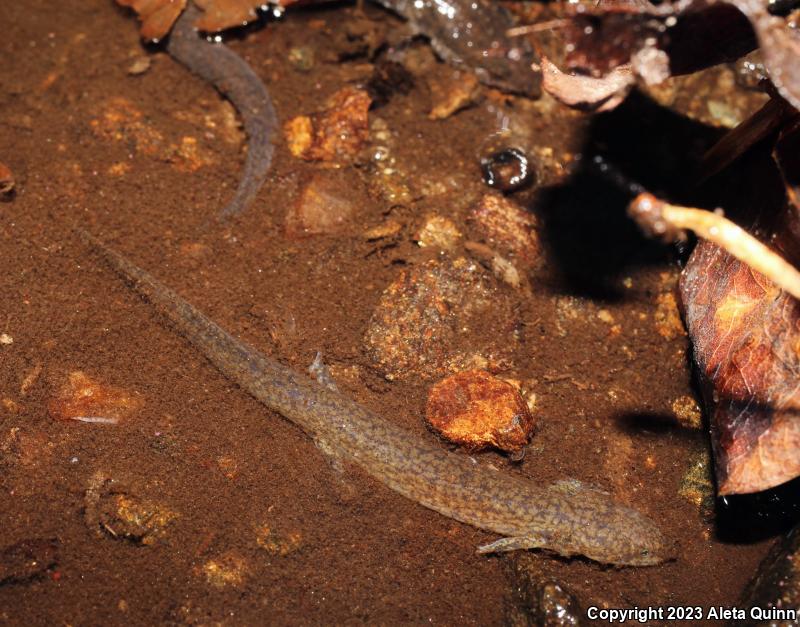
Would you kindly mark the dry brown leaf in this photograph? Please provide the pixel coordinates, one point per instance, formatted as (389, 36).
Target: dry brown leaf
(587, 92)
(746, 335)
(157, 16)
(221, 14)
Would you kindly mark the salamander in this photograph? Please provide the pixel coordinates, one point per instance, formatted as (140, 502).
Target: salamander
(567, 517)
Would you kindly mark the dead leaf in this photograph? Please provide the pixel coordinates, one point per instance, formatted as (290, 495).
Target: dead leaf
(157, 16)
(221, 14)
(587, 92)
(746, 335)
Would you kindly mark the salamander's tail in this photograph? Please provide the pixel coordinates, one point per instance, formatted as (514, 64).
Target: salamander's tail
(235, 79)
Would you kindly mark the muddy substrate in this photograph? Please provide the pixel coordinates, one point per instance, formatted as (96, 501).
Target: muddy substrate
(258, 526)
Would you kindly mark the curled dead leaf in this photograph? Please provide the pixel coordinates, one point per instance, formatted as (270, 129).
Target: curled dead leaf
(587, 92)
(221, 14)
(746, 335)
(157, 16)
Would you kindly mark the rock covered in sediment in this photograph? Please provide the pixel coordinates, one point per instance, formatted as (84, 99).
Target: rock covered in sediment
(433, 320)
(776, 584)
(325, 205)
(477, 410)
(539, 600)
(507, 228)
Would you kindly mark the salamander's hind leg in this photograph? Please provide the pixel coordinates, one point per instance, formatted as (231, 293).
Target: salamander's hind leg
(342, 485)
(515, 543)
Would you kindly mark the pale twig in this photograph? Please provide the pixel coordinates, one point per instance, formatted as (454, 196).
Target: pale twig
(527, 29)
(669, 222)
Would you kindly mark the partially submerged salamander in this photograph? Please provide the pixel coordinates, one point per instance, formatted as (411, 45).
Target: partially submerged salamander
(566, 517)
(235, 79)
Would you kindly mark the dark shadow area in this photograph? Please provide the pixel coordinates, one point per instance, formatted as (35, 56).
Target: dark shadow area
(657, 425)
(640, 145)
(754, 517)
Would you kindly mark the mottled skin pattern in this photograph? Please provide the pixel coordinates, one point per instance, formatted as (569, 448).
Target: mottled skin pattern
(225, 70)
(566, 517)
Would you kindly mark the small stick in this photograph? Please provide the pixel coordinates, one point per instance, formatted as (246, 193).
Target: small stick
(519, 31)
(669, 222)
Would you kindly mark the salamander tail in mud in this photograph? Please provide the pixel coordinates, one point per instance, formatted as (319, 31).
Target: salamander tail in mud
(236, 80)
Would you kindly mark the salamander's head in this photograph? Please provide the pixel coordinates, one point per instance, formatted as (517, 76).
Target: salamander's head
(627, 538)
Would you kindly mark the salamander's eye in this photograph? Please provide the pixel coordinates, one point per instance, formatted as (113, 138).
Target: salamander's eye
(645, 552)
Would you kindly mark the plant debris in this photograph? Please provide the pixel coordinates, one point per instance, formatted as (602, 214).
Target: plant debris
(84, 399)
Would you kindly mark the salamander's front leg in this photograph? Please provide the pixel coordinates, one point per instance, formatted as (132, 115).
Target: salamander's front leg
(515, 543)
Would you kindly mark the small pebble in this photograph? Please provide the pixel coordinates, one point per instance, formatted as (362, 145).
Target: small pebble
(450, 95)
(507, 228)
(390, 228)
(139, 65)
(540, 601)
(326, 203)
(478, 410)
(6, 339)
(687, 412)
(507, 170)
(439, 232)
(302, 58)
(7, 183)
(667, 317)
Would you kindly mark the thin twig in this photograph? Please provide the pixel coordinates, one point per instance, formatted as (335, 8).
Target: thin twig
(527, 29)
(669, 222)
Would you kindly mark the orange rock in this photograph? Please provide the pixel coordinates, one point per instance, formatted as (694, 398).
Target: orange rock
(7, 182)
(477, 410)
(84, 399)
(337, 133)
(458, 92)
(508, 228)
